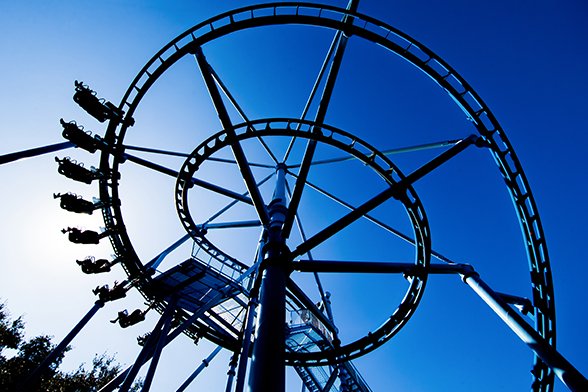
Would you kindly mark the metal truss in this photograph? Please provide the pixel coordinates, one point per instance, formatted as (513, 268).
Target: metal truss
(239, 303)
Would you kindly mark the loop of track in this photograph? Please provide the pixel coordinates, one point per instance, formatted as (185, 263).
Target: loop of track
(401, 44)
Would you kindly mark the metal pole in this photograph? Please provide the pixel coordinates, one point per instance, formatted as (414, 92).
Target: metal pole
(34, 377)
(153, 264)
(437, 161)
(331, 379)
(204, 364)
(155, 336)
(231, 372)
(251, 306)
(246, 345)
(33, 152)
(392, 151)
(267, 365)
(169, 312)
(195, 181)
(569, 375)
(341, 44)
(235, 147)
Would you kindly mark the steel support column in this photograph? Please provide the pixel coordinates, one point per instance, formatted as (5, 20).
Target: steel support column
(204, 364)
(169, 313)
(154, 338)
(439, 160)
(238, 153)
(569, 375)
(268, 371)
(153, 264)
(339, 44)
(33, 152)
(195, 181)
(34, 377)
(232, 371)
(242, 369)
(267, 364)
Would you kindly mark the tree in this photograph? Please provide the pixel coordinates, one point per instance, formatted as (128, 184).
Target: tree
(11, 333)
(15, 370)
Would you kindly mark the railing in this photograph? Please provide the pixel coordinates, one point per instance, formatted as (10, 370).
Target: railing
(226, 268)
(301, 317)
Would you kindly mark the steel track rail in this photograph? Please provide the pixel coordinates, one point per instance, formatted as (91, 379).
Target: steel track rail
(404, 46)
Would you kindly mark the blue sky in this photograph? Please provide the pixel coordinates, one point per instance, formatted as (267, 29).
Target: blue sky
(525, 59)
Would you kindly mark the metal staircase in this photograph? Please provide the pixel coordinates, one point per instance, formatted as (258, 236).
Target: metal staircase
(306, 333)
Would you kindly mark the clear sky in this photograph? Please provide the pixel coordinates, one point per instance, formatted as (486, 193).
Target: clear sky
(525, 59)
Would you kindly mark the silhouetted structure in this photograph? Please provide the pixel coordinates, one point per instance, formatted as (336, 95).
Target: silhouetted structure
(218, 296)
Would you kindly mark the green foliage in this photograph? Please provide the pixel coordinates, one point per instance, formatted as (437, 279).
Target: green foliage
(11, 333)
(104, 369)
(15, 370)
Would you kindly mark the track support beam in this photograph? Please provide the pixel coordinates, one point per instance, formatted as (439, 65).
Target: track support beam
(567, 373)
(33, 152)
(268, 362)
(36, 375)
(204, 364)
